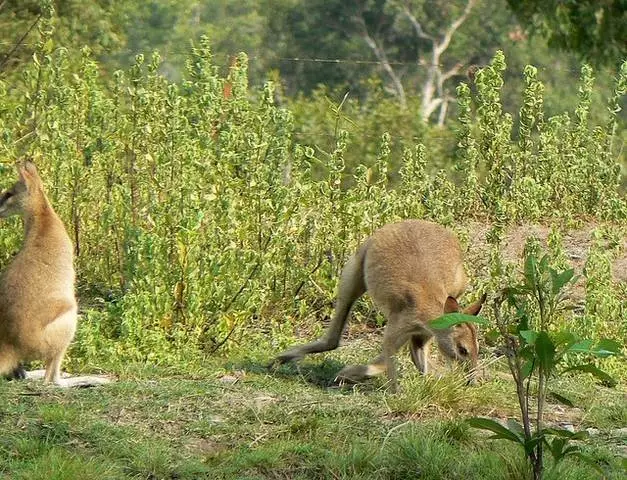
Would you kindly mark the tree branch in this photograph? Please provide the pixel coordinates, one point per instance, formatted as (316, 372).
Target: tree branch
(451, 72)
(382, 57)
(443, 45)
(415, 23)
(18, 43)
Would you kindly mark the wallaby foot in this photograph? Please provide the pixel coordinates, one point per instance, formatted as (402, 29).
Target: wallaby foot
(18, 373)
(359, 373)
(296, 353)
(84, 381)
(65, 381)
(291, 355)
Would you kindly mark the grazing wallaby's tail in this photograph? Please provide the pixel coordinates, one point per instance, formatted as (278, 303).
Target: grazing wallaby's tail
(351, 286)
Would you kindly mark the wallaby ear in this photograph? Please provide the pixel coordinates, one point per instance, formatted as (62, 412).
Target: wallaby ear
(451, 305)
(28, 172)
(475, 308)
(30, 167)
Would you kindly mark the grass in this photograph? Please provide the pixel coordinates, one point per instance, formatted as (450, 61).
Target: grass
(233, 419)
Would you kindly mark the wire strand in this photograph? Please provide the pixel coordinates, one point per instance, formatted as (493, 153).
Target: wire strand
(348, 61)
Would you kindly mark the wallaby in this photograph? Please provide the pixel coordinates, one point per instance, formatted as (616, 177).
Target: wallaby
(414, 272)
(38, 308)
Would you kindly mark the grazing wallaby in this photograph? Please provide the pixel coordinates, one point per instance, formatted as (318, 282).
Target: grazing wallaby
(37, 304)
(413, 270)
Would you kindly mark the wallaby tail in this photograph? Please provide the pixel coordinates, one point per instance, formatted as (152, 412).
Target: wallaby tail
(352, 286)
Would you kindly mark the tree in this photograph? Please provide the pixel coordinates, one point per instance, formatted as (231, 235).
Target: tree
(414, 44)
(434, 94)
(594, 29)
(171, 26)
(76, 23)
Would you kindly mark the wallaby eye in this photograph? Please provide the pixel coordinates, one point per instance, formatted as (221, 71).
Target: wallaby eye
(462, 350)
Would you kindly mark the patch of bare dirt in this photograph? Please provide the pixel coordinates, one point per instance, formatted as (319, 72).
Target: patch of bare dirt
(204, 446)
(576, 245)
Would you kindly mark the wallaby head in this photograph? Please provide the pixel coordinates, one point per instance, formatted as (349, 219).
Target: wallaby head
(25, 195)
(460, 342)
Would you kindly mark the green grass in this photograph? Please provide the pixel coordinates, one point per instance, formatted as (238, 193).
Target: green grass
(190, 422)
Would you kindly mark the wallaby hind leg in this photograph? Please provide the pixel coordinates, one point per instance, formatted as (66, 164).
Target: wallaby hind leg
(58, 335)
(53, 369)
(351, 287)
(401, 327)
(398, 331)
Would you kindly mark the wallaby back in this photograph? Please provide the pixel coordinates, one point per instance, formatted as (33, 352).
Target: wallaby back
(37, 302)
(413, 270)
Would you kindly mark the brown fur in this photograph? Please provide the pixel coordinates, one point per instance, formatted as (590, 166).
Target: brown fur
(37, 302)
(413, 270)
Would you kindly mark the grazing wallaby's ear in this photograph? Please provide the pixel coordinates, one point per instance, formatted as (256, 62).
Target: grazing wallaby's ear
(28, 172)
(30, 167)
(475, 308)
(451, 305)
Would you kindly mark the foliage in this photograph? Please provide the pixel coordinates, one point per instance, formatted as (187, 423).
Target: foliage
(526, 317)
(76, 22)
(170, 26)
(199, 222)
(595, 30)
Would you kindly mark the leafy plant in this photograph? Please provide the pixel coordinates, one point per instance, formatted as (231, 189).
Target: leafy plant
(526, 316)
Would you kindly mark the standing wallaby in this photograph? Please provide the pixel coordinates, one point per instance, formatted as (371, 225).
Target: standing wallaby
(414, 272)
(37, 304)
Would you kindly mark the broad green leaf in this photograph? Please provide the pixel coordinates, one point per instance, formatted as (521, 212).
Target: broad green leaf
(499, 430)
(556, 447)
(563, 341)
(545, 351)
(530, 271)
(527, 368)
(529, 336)
(562, 399)
(562, 432)
(515, 427)
(583, 346)
(604, 348)
(531, 444)
(450, 319)
(607, 347)
(597, 372)
(544, 263)
(560, 279)
(564, 337)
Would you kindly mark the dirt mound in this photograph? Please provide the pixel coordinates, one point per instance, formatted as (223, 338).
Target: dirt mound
(576, 245)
